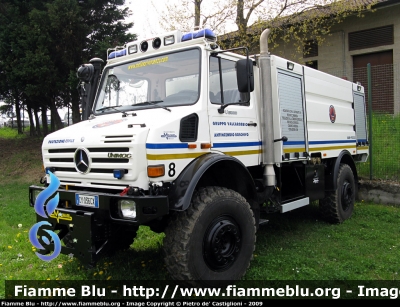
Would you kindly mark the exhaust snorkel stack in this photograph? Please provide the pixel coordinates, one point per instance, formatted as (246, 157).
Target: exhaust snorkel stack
(267, 123)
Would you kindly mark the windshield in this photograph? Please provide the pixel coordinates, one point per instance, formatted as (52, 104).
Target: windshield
(162, 81)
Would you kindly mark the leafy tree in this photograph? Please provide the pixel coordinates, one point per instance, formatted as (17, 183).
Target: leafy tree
(242, 21)
(298, 21)
(178, 17)
(42, 43)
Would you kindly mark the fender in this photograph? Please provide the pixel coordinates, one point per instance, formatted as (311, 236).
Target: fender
(232, 174)
(333, 169)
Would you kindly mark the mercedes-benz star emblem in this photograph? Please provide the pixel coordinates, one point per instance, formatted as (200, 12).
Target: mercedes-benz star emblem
(82, 160)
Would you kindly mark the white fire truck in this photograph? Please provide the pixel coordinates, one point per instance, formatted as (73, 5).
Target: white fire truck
(197, 142)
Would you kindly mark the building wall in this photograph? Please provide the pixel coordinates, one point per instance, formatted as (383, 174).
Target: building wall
(334, 56)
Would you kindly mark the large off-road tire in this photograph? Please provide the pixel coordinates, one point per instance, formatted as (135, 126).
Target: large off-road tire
(213, 240)
(338, 205)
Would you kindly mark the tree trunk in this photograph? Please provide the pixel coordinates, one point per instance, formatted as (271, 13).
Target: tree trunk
(31, 122)
(241, 23)
(38, 131)
(239, 14)
(56, 123)
(44, 121)
(197, 11)
(18, 112)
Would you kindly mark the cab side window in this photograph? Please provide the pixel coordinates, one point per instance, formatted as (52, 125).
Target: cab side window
(223, 83)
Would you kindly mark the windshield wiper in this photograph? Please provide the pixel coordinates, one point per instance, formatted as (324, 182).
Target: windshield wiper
(112, 107)
(154, 103)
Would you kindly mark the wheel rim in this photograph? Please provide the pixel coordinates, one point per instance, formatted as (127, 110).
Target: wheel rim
(222, 243)
(347, 195)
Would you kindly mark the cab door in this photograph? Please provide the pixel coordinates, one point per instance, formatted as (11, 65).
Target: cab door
(235, 132)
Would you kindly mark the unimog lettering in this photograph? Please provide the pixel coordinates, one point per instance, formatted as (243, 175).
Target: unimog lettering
(119, 155)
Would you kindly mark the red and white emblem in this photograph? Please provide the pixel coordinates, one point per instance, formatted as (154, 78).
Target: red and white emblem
(332, 114)
(109, 123)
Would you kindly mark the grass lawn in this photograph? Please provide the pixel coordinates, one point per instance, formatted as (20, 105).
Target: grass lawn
(295, 246)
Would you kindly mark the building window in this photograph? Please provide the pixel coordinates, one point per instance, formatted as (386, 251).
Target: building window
(312, 64)
(310, 49)
(371, 38)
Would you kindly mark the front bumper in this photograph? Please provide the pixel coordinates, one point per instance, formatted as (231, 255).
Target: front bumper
(84, 232)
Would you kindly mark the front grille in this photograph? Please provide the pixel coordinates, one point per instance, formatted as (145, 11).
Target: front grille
(118, 136)
(107, 160)
(64, 169)
(109, 149)
(93, 170)
(118, 139)
(62, 150)
(62, 160)
(103, 149)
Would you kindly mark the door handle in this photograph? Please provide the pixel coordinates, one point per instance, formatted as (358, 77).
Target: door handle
(252, 124)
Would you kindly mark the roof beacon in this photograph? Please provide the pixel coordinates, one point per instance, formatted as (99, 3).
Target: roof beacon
(116, 54)
(204, 33)
(160, 41)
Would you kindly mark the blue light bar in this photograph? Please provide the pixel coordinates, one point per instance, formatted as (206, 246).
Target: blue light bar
(116, 54)
(206, 33)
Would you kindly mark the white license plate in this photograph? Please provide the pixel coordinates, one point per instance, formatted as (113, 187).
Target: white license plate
(87, 200)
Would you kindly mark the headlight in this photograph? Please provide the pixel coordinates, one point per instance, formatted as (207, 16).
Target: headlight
(128, 208)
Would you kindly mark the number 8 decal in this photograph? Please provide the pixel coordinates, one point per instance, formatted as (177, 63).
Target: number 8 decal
(171, 171)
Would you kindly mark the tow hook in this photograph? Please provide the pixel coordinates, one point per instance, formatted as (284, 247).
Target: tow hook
(43, 180)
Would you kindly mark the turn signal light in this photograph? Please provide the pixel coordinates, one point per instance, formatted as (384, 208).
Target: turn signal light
(154, 171)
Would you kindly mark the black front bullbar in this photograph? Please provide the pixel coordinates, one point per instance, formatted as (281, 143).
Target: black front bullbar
(86, 231)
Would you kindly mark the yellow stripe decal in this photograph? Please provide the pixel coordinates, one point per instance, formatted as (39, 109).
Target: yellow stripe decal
(175, 156)
(243, 152)
(331, 148)
(362, 147)
(288, 150)
(198, 154)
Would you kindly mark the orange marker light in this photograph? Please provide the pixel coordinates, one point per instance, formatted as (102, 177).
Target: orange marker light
(154, 171)
(192, 146)
(205, 145)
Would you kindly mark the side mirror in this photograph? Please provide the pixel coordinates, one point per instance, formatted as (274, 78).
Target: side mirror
(245, 76)
(85, 72)
(245, 82)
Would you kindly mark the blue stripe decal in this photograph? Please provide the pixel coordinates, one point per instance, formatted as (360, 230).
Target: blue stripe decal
(331, 142)
(166, 146)
(220, 145)
(239, 144)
